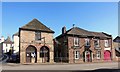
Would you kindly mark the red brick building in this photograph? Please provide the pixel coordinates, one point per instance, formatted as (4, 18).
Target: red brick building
(77, 45)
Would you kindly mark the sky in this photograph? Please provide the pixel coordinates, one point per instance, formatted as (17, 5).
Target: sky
(92, 16)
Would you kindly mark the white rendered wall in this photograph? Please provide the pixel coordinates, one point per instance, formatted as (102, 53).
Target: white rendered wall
(6, 48)
(16, 44)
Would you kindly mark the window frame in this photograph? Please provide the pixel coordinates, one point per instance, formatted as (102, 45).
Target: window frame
(98, 54)
(37, 35)
(76, 41)
(87, 42)
(106, 42)
(98, 42)
(77, 55)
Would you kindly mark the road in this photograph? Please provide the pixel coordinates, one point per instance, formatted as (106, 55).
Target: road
(58, 66)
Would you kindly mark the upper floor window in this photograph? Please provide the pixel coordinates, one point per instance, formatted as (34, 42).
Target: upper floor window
(76, 41)
(96, 43)
(37, 35)
(87, 42)
(77, 54)
(106, 43)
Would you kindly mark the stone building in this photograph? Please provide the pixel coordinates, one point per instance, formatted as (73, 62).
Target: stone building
(77, 45)
(36, 43)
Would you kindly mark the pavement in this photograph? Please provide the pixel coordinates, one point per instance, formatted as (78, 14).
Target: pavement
(59, 66)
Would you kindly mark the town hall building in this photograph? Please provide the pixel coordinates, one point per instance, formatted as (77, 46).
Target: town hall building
(36, 43)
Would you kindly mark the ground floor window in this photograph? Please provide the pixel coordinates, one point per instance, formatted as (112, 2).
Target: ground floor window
(98, 55)
(77, 54)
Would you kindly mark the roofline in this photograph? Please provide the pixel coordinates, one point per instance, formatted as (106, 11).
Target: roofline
(110, 36)
(82, 36)
(36, 30)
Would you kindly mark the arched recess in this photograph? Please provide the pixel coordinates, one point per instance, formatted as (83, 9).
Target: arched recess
(87, 56)
(107, 55)
(31, 54)
(44, 54)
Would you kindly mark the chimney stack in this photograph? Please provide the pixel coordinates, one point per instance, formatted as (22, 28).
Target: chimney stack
(63, 30)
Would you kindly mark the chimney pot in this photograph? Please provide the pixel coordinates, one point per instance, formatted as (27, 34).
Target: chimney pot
(63, 30)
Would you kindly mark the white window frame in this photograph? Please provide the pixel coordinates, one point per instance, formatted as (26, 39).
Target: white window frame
(76, 40)
(98, 42)
(77, 54)
(106, 43)
(98, 54)
(87, 40)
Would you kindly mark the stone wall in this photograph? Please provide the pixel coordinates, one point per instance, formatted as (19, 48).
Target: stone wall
(28, 38)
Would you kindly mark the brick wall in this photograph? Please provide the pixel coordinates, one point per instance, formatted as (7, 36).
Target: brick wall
(81, 49)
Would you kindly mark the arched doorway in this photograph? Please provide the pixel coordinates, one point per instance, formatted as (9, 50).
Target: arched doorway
(87, 56)
(31, 54)
(44, 54)
(107, 55)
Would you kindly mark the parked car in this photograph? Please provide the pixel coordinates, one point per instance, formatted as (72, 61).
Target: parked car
(14, 58)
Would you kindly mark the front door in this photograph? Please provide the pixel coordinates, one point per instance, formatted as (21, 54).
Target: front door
(88, 57)
(107, 55)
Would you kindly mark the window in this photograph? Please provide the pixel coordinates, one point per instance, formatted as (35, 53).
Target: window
(11, 45)
(98, 54)
(37, 35)
(87, 42)
(77, 54)
(96, 43)
(6, 45)
(76, 41)
(106, 43)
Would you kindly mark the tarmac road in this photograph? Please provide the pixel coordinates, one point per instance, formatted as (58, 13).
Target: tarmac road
(58, 66)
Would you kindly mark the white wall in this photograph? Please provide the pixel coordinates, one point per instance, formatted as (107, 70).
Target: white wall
(16, 44)
(6, 48)
(2, 39)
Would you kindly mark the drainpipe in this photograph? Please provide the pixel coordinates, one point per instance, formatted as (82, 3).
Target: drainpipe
(112, 50)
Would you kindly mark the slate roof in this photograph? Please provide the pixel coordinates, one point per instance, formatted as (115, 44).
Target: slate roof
(117, 39)
(117, 49)
(84, 33)
(8, 40)
(16, 34)
(36, 25)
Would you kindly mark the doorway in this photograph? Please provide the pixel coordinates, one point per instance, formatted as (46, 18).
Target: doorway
(107, 55)
(44, 54)
(31, 54)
